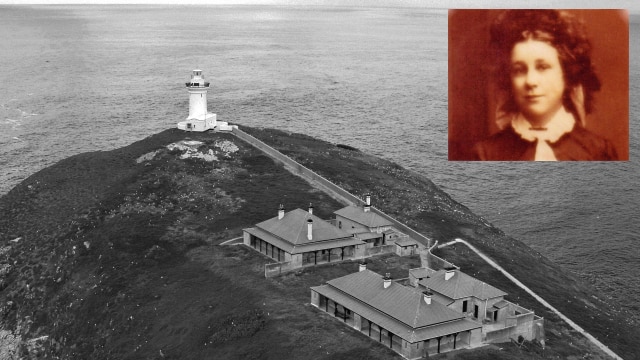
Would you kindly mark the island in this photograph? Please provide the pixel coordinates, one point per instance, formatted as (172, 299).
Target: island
(140, 253)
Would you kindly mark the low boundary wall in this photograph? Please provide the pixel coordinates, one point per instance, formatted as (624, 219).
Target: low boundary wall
(379, 250)
(340, 193)
(275, 269)
(431, 261)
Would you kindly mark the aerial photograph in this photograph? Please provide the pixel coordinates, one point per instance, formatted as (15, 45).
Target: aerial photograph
(322, 179)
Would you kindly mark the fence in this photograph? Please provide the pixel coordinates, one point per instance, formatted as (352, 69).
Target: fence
(275, 269)
(327, 185)
(498, 336)
(378, 250)
(525, 323)
(427, 259)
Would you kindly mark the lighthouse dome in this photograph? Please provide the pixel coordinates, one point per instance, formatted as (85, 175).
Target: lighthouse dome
(197, 79)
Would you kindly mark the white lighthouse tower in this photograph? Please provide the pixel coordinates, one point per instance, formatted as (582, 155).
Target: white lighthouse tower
(199, 118)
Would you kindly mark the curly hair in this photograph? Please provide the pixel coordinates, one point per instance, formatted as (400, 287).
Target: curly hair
(557, 28)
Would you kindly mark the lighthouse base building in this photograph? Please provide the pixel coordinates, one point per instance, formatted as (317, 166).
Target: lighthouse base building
(199, 118)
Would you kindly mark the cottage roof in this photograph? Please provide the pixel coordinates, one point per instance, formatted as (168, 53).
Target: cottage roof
(290, 232)
(305, 247)
(368, 235)
(357, 214)
(406, 242)
(460, 285)
(501, 304)
(421, 272)
(399, 309)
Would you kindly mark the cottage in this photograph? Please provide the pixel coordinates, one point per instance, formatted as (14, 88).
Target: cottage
(301, 238)
(406, 319)
(464, 293)
(481, 302)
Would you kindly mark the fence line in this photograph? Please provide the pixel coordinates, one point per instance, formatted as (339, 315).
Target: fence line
(378, 250)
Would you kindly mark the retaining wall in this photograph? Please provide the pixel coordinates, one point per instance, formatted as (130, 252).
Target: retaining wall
(327, 185)
(523, 324)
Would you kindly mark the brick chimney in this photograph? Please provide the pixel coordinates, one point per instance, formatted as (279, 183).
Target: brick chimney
(310, 229)
(363, 266)
(449, 274)
(311, 208)
(280, 212)
(426, 295)
(387, 280)
(367, 203)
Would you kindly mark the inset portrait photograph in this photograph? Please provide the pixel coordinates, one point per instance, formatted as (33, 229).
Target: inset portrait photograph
(538, 85)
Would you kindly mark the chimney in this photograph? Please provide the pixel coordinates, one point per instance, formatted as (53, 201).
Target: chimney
(427, 296)
(281, 212)
(309, 229)
(449, 274)
(367, 204)
(363, 266)
(311, 208)
(387, 280)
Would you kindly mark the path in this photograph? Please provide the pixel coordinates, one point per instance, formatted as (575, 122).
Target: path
(231, 240)
(575, 326)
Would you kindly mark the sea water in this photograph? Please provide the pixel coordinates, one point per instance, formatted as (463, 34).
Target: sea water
(86, 78)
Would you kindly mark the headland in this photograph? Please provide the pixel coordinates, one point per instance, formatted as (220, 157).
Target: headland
(116, 255)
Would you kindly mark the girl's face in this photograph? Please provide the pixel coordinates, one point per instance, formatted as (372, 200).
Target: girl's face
(537, 80)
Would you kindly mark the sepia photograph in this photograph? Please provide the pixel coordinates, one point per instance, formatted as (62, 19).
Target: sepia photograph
(292, 179)
(548, 85)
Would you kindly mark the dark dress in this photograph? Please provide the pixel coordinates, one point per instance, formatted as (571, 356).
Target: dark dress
(578, 144)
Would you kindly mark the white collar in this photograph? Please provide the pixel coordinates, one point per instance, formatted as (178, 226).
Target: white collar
(561, 123)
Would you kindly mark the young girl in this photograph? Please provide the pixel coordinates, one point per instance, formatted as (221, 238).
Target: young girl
(544, 74)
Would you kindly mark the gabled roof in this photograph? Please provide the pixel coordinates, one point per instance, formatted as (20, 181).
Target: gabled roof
(399, 309)
(292, 228)
(460, 286)
(357, 214)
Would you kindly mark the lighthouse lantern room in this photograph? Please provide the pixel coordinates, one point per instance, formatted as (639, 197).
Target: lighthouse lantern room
(199, 118)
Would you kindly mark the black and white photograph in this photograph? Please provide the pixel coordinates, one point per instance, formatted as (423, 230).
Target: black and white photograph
(322, 179)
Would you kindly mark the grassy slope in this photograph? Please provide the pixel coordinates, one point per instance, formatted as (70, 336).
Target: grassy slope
(153, 283)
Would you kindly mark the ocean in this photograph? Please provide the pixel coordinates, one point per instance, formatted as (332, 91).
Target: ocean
(86, 78)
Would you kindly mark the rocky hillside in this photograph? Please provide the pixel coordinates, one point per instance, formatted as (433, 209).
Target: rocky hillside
(115, 255)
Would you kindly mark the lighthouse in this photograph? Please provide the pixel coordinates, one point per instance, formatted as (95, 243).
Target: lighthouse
(199, 118)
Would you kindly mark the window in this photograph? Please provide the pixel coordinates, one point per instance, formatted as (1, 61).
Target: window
(464, 306)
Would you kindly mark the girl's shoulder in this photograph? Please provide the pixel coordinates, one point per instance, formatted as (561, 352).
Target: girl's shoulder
(582, 144)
